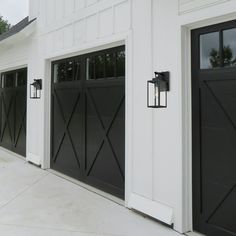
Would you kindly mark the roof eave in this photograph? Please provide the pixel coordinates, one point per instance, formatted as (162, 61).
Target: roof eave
(23, 34)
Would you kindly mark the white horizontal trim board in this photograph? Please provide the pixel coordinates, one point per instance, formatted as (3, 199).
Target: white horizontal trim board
(80, 15)
(186, 6)
(33, 158)
(156, 210)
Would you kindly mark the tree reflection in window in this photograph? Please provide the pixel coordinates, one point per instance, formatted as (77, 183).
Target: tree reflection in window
(216, 53)
(228, 59)
(228, 56)
(107, 64)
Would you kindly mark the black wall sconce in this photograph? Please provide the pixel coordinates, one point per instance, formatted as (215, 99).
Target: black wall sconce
(35, 89)
(157, 90)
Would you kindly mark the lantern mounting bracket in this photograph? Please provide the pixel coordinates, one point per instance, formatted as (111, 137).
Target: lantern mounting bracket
(164, 76)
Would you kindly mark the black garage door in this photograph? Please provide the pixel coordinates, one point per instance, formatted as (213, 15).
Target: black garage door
(13, 111)
(214, 129)
(88, 119)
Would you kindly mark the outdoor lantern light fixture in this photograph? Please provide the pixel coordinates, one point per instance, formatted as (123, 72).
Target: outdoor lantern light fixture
(35, 89)
(157, 89)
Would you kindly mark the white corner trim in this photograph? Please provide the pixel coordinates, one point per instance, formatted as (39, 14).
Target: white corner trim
(33, 158)
(154, 209)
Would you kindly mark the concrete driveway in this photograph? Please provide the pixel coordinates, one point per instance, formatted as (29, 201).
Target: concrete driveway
(36, 202)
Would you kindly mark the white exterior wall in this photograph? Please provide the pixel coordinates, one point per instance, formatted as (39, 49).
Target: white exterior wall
(157, 37)
(172, 23)
(14, 55)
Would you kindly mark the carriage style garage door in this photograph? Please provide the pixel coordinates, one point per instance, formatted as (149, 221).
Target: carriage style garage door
(88, 119)
(13, 94)
(214, 129)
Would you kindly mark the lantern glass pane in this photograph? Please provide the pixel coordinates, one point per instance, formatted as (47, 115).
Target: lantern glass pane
(38, 93)
(157, 95)
(151, 94)
(163, 99)
(32, 91)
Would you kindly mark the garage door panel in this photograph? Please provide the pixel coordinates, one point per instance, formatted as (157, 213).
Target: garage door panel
(221, 93)
(67, 132)
(88, 110)
(8, 104)
(20, 109)
(218, 136)
(20, 122)
(106, 102)
(117, 132)
(76, 132)
(100, 170)
(58, 128)
(214, 130)
(225, 95)
(216, 192)
(67, 101)
(13, 93)
(225, 214)
(67, 160)
(94, 138)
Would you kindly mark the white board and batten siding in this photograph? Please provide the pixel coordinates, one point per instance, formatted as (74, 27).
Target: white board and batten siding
(73, 25)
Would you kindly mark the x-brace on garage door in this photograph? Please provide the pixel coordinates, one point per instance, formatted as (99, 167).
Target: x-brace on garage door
(88, 119)
(13, 98)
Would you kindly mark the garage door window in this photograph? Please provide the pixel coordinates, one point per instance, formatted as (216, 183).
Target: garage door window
(66, 71)
(21, 78)
(88, 119)
(229, 52)
(109, 65)
(8, 80)
(218, 49)
(210, 51)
